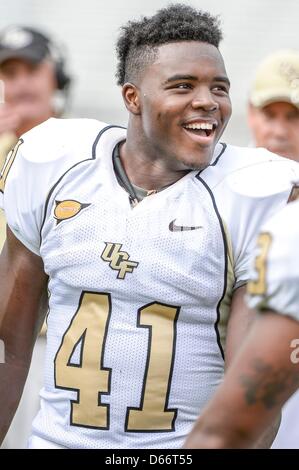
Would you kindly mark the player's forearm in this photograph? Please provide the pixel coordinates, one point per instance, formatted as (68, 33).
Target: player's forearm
(266, 440)
(17, 336)
(18, 333)
(17, 339)
(22, 310)
(12, 379)
(218, 428)
(209, 434)
(209, 438)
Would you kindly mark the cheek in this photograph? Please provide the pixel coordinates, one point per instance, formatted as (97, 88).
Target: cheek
(154, 116)
(226, 108)
(260, 125)
(43, 88)
(162, 117)
(9, 90)
(295, 133)
(44, 84)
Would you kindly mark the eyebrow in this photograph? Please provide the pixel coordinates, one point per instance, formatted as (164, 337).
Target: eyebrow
(222, 78)
(177, 77)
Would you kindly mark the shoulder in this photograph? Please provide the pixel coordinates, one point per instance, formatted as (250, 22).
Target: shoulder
(284, 226)
(58, 137)
(258, 172)
(252, 172)
(37, 163)
(47, 151)
(44, 154)
(249, 186)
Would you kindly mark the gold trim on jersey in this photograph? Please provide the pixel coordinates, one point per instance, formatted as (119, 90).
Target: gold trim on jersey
(225, 304)
(8, 164)
(294, 193)
(259, 286)
(2, 229)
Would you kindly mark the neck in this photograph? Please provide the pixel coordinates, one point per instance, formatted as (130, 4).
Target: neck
(145, 169)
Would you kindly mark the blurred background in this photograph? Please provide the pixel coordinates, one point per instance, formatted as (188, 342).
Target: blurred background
(89, 28)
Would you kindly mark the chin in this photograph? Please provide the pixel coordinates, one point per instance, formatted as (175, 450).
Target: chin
(194, 164)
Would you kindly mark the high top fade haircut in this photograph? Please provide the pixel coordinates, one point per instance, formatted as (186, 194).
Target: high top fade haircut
(138, 43)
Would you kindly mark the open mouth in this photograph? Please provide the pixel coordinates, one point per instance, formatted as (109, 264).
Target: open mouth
(203, 129)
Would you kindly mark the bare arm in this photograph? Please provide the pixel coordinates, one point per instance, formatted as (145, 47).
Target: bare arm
(241, 320)
(22, 309)
(261, 378)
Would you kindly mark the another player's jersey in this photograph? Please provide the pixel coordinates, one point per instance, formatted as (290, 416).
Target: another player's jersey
(274, 281)
(139, 297)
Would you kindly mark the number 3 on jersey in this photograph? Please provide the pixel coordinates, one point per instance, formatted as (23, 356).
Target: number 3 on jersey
(259, 286)
(90, 379)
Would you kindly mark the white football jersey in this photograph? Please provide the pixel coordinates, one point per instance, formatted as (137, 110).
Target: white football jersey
(139, 297)
(275, 273)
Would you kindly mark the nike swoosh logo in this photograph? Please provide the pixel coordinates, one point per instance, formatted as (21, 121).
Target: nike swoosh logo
(181, 228)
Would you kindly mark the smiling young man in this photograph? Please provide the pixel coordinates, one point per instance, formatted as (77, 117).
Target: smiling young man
(143, 239)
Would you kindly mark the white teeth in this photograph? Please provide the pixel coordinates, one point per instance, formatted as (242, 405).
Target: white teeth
(202, 125)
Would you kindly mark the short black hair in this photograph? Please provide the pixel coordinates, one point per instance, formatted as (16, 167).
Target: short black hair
(137, 44)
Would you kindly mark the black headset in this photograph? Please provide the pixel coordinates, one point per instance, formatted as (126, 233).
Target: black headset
(57, 56)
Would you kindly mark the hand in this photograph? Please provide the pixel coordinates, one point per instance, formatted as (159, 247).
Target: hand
(9, 119)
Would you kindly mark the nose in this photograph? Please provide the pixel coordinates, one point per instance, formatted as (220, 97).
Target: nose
(22, 77)
(204, 100)
(278, 128)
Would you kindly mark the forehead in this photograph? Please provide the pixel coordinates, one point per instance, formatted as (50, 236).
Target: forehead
(282, 107)
(15, 62)
(18, 65)
(193, 57)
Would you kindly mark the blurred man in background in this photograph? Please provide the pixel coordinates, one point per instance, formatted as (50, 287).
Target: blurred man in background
(273, 117)
(34, 87)
(273, 113)
(32, 70)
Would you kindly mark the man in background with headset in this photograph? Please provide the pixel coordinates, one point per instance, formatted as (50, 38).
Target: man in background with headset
(34, 87)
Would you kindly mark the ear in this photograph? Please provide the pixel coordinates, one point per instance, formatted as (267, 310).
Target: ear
(131, 97)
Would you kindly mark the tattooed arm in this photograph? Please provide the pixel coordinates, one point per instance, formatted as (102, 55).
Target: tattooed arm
(260, 379)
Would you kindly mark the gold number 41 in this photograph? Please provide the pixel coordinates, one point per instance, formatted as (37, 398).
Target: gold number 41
(90, 379)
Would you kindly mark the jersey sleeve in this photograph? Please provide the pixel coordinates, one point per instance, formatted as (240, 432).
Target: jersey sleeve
(274, 274)
(20, 188)
(259, 191)
(35, 164)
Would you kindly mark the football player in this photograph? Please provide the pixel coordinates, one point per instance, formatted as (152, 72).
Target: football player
(143, 239)
(266, 370)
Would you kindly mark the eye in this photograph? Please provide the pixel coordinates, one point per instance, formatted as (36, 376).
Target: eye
(183, 86)
(223, 89)
(293, 116)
